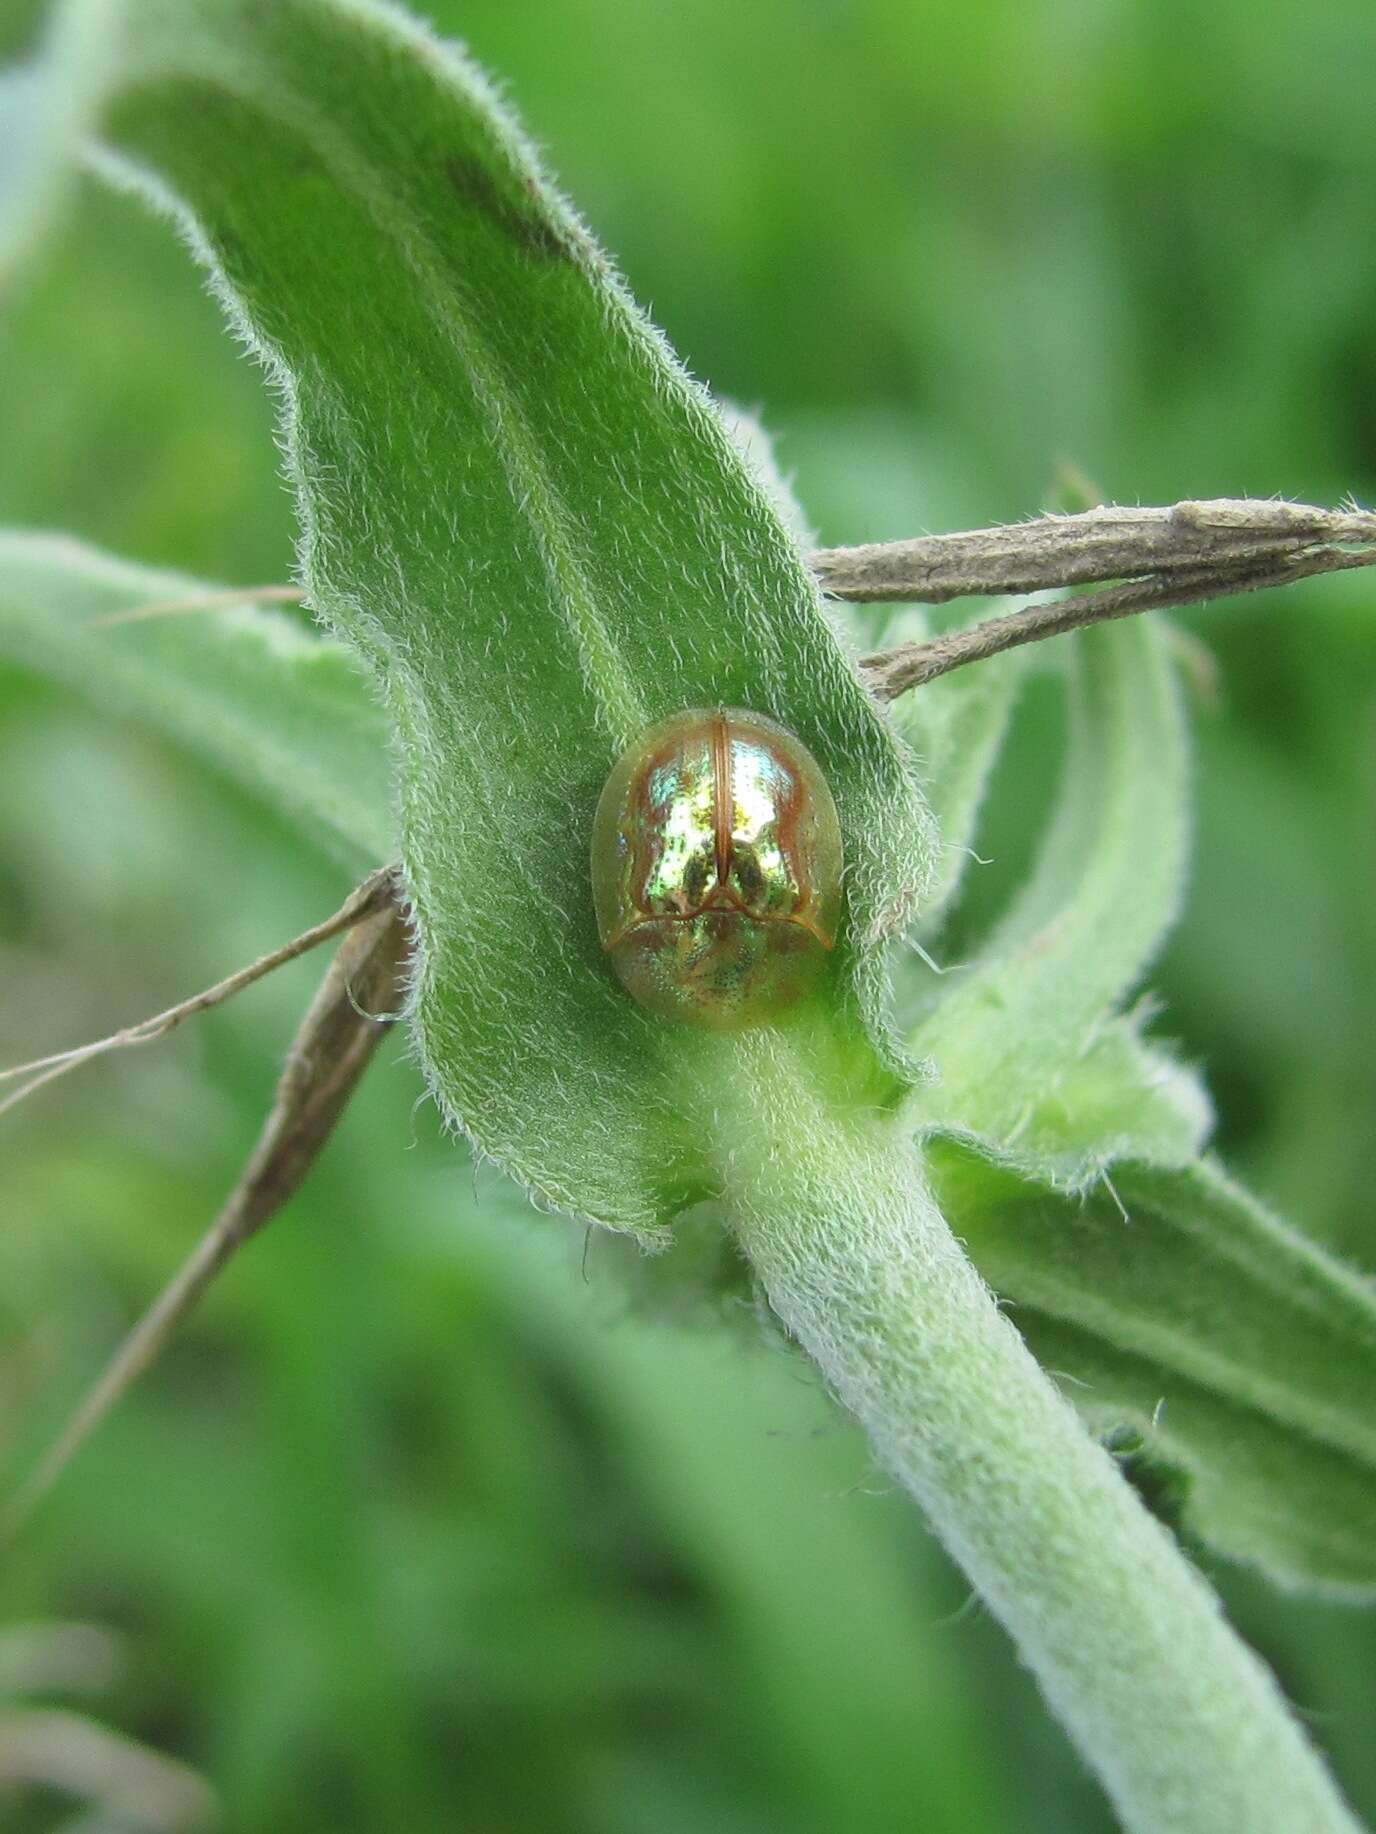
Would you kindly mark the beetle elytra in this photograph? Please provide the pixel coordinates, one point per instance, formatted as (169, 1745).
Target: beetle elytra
(716, 866)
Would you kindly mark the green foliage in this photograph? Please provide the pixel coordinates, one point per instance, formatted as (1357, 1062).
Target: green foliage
(1030, 1058)
(264, 698)
(1179, 1297)
(1279, 1005)
(1174, 1714)
(406, 274)
(1080, 932)
(1243, 1356)
(956, 728)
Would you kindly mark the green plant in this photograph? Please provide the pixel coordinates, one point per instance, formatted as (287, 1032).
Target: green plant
(539, 537)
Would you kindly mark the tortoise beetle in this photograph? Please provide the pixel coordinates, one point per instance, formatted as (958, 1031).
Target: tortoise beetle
(716, 869)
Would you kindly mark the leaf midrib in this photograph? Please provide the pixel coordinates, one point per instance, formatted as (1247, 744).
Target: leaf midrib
(607, 681)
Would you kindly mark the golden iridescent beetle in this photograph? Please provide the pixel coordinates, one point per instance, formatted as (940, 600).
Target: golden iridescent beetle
(716, 869)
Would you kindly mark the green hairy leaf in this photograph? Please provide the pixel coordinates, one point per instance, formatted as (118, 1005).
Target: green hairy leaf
(1120, 1098)
(285, 711)
(1244, 1355)
(543, 485)
(1008, 1030)
(956, 727)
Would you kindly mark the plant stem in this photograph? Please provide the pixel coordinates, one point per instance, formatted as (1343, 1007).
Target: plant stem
(1220, 535)
(1180, 1720)
(892, 672)
(377, 892)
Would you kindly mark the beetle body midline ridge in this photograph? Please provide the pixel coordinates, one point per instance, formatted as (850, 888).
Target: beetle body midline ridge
(723, 805)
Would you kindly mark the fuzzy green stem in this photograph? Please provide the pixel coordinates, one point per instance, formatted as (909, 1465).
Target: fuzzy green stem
(1180, 1720)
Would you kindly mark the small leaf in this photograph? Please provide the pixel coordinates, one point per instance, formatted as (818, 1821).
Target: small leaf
(1241, 1483)
(956, 727)
(282, 709)
(1244, 1355)
(535, 528)
(1010, 1029)
(1121, 1098)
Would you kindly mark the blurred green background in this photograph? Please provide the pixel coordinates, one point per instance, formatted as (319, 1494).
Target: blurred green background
(418, 1529)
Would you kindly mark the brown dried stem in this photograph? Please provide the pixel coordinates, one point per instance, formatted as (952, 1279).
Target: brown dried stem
(215, 600)
(1184, 555)
(363, 991)
(377, 891)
